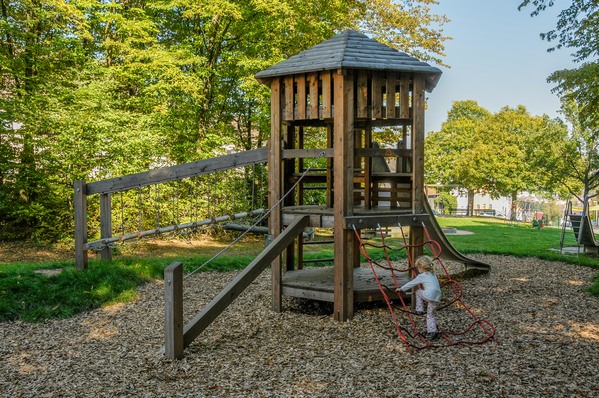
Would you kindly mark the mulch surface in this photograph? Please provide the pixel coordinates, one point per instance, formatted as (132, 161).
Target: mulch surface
(547, 345)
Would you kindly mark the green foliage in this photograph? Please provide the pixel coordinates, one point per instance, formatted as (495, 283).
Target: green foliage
(577, 28)
(94, 89)
(484, 152)
(568, 158)
(445, 201)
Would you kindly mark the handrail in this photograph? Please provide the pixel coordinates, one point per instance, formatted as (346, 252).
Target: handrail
(178, 172)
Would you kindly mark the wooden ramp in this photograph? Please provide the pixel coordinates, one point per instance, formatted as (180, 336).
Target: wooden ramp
(243, 280)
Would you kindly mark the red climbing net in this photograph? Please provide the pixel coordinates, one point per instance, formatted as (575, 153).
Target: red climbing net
(464, 329)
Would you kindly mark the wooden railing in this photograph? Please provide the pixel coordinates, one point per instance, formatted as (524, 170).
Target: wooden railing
(106, 188)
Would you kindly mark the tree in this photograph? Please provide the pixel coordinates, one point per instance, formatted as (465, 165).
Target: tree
(576, 168)
(570, 159)
(484, 152)
(103, 88)
(508, 136)
(453, 152)
(39, 55)
(577, 28)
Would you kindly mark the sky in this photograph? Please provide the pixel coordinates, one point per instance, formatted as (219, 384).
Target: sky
(497, 58)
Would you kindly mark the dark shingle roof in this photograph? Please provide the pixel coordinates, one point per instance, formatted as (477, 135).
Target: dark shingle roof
(352, 50)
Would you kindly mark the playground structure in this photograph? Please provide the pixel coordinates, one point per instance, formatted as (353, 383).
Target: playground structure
(327, 105)
(583, 231)
(344, 90)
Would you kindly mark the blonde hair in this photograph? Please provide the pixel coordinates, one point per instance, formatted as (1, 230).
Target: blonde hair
(424, 263)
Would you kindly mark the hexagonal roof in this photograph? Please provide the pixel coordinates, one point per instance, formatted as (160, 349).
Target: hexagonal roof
(352, 50)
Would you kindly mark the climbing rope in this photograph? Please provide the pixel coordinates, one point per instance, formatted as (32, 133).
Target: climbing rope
(411, 335)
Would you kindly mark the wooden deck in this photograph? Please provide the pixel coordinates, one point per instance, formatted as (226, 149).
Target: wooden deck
(317, 283)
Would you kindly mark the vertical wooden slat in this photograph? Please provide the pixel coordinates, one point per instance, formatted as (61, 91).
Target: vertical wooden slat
(406, 161)
(343, 190)
(368, 168)
(274, 187)
(330, 175)
(313, 82)
(391, 80)
(327, 98)
(404, 97)
(300, 251)
(362, 94)
(417, 233)
(300, 82)
(377, 96)
(105, 224)
(300, 167)
(80, 209)
(173, 304)
(289, 99)
(288, 170)
(358, 171)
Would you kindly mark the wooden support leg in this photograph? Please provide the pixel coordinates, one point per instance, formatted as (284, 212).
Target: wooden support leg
(173, 301)
(344, 276)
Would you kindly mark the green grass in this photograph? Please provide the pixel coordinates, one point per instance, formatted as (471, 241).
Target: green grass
(492, 236)
(31, 296)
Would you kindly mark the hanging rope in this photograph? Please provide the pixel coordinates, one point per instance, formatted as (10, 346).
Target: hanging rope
(410, 335)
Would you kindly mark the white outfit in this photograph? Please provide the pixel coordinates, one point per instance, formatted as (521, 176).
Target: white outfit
(430, 285)
(431, 293)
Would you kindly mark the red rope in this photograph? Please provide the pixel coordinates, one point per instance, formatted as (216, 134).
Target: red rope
(411, 336)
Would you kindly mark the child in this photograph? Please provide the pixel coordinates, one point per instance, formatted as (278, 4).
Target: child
(430, 292)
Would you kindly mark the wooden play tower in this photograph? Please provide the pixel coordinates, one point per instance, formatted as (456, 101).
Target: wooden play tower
(341, 92)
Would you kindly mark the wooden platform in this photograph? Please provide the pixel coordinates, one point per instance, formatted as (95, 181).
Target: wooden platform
(317, 283)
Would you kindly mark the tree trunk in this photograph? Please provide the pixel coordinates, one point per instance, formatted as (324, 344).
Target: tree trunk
(470, 206)
(514, 207)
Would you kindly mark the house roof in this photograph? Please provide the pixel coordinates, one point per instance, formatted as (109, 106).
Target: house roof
(352, 50)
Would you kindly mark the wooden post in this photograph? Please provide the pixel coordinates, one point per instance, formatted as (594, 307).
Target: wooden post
(80, 204)
(288, 170)
(368, 168)
(106, 224)
(173, 304)
(417, 233)
(330, 174)
(274, 187)
(390, 95)
(343, 191)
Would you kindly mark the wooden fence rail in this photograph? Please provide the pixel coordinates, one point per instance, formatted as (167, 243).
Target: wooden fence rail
(106, 187)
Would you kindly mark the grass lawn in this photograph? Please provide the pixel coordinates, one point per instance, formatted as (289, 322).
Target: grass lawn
(34, 292)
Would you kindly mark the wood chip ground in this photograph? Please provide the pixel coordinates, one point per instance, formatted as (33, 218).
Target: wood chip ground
(547, 328)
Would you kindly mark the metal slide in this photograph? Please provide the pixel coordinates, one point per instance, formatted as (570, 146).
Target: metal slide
(583, 230)
(448, 251)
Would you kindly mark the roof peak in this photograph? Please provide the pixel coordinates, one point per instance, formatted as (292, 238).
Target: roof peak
(352, 50)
